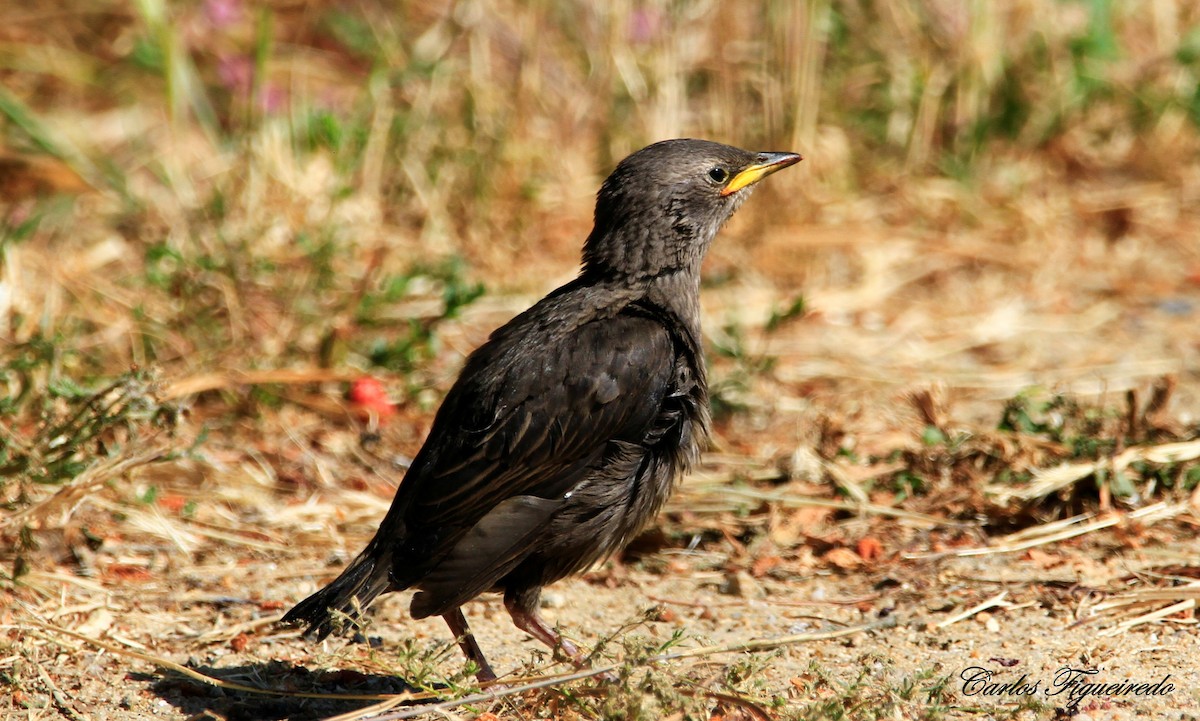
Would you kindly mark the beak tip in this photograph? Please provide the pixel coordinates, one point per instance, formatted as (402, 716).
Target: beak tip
(783, 160)
(764, 165)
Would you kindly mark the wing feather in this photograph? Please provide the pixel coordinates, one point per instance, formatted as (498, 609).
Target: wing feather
(530, 424)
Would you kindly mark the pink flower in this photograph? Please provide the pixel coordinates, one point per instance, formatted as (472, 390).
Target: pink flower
(236, 72)
(645, 25)
(223, 13)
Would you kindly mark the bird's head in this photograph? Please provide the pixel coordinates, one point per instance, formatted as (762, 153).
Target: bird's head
(659, 210)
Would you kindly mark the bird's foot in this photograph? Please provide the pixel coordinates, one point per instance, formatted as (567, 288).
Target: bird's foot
(530, 622)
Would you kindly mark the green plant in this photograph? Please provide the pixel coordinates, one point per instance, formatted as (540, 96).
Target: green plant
(416, 343)
(55, 429)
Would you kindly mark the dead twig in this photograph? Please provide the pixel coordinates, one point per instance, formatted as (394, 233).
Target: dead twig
(78, 487)
(1049, 480)
(220, 381)
(1145, 605)
(796, 501)
(993, 602)
(1062, 530)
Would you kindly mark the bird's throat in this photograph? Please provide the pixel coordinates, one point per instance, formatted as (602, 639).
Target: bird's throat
(678, 292)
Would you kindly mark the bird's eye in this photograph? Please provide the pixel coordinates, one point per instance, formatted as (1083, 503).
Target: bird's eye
(718, 174)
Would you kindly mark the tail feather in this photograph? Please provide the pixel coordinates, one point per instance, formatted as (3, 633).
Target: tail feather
(339, 605)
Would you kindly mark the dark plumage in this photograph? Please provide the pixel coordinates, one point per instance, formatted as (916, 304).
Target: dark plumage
(565, 432)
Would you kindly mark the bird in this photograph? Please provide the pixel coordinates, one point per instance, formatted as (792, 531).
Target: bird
(566, 431)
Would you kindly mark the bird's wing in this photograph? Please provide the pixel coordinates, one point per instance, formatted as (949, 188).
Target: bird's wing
(529, 422)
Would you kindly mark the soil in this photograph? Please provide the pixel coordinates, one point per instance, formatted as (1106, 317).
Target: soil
(193, 617)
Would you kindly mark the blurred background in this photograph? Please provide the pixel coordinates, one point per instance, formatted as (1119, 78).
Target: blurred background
(192, 184)
(245, 247)
(200, 198)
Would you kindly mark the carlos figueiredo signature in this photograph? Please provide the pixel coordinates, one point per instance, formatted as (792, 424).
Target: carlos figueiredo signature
(1070, 684)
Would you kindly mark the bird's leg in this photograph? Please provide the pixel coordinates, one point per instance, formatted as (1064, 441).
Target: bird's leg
(466, 641)
(522, 605)
(531, 623)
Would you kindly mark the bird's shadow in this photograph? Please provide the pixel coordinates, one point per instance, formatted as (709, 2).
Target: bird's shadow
(194, 698)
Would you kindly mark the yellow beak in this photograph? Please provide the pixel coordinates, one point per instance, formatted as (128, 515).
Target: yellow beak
(763, 165)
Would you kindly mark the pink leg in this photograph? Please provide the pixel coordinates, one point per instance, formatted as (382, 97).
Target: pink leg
(521, 607)
(533, 624)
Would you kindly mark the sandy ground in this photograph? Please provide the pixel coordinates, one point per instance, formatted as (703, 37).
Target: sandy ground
(212, 614)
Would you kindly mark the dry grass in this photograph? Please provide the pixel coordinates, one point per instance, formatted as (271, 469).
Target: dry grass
(965, 325)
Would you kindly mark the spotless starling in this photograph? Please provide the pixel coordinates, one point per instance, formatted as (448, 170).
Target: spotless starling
(567, 429)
